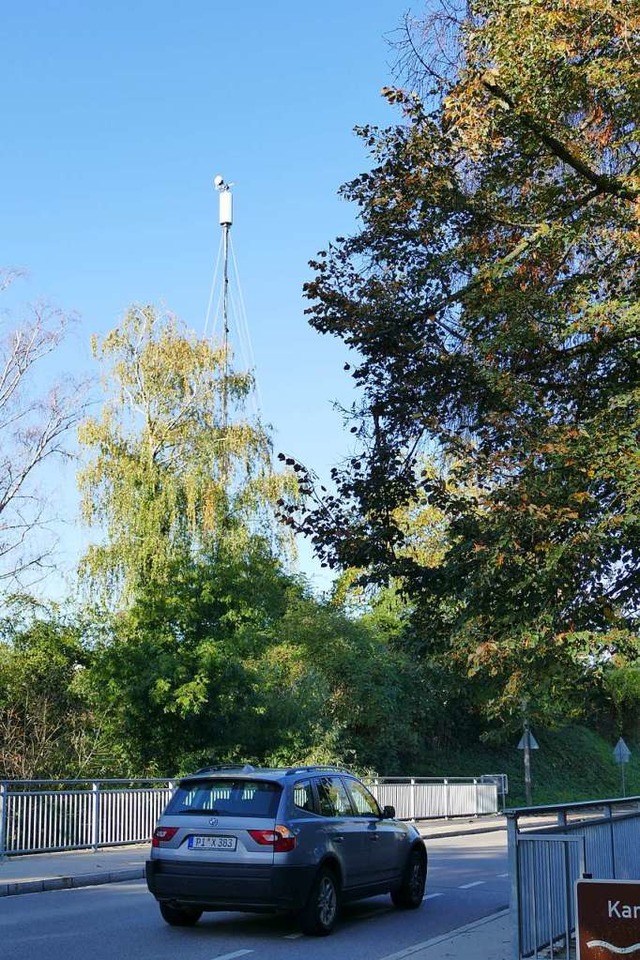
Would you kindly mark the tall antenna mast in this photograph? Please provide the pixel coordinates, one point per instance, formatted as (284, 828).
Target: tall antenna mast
(226, 219)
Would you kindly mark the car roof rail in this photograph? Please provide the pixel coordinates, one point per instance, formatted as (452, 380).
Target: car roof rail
(317, 768)
(222, 767)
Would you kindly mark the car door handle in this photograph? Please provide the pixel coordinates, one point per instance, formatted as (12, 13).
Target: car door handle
(338, 838)
(374, 837)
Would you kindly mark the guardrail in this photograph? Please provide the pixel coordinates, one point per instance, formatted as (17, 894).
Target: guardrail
(46, 815)
(41, 816)
(549, 849)
(426, 798)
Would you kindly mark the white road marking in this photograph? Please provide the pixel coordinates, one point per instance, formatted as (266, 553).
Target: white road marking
(232, 956)
(430, 896)
(501, 875)
(293, 936)
(467, 886)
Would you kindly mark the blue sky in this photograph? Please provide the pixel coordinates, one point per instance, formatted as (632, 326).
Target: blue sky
(116, 118)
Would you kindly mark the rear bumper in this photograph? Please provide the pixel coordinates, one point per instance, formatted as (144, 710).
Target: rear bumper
(214, 886)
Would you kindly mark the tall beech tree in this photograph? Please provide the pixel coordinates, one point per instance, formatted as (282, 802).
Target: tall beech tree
(490, 296)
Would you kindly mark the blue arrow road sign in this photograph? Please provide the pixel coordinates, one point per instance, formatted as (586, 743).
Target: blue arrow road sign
(621, 752)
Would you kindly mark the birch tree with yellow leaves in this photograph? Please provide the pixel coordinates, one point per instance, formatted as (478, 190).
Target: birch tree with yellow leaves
(174, 465)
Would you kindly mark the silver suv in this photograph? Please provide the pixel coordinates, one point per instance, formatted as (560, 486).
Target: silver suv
(301, 840)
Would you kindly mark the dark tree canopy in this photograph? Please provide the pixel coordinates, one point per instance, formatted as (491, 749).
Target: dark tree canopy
(491, 298)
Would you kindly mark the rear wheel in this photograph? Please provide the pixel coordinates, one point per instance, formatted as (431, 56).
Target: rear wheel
(179, 916)
(321, 912)
(410, 893)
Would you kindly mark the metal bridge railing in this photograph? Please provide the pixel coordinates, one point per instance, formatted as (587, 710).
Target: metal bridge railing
(549, 849)
(41, 816)
(426, 798)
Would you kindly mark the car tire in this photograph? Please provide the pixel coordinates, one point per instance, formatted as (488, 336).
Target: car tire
(178, 916)
(410, 894)
(321, 911)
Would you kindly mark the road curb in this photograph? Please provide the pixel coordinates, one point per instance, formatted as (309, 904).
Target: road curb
(460, 833)
(16, 887)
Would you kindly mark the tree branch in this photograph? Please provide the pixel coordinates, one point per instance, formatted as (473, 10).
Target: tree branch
(605, 184)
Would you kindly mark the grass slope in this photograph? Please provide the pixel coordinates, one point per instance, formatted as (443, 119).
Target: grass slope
(571, 764)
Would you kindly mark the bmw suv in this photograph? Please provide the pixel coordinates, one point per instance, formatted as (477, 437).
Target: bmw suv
(301, 840)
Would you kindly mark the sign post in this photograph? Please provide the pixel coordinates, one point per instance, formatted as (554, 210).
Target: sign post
(622, 755)
(527, 743)
(607, 919)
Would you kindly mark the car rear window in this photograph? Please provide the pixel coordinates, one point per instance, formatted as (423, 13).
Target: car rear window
(226, 797)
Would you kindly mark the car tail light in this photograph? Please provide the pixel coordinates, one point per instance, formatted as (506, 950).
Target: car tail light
(281, 839)
(163, 835)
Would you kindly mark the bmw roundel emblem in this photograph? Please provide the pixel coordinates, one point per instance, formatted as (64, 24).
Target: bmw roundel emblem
(213, 821)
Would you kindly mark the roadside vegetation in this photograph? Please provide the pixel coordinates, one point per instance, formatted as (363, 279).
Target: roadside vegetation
(485, 531)
(572, 763)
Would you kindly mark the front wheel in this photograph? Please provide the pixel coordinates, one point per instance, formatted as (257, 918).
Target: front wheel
(321, 912)
(179, 917)
(410, 894)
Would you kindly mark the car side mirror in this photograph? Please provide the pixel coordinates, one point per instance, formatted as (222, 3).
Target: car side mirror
(388, 813)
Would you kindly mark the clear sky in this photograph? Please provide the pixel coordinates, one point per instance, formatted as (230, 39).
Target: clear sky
(116, 118)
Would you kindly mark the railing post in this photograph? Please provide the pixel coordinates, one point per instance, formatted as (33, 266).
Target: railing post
(476, 798)
(514, 873)
(446, 799)
(613, 841)
(412, 805)
(4, 803)
(95, 815)
(568, 884)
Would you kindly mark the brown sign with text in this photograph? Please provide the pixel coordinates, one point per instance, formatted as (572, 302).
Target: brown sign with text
(608, 919)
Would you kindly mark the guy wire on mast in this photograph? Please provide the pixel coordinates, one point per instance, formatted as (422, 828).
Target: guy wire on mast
(226, 219)
(230, 310)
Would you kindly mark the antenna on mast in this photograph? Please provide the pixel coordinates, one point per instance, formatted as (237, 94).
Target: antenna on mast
(229, 320)
(226, 220)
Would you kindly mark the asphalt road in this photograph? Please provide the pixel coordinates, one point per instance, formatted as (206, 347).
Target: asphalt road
(467, 880)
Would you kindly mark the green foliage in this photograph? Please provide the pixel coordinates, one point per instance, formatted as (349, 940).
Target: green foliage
(46, 726)
(238, 662)
(174, 668)
(492, 298)
(234, 660)
(210, 652)
(622, 683)
(572, 763)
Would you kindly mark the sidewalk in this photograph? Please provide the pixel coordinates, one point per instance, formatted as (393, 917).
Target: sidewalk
(487, 939)
(78, 868)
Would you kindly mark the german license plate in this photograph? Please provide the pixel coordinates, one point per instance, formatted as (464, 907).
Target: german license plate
(212, 843)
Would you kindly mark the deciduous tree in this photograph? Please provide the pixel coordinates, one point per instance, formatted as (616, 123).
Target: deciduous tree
(491, 295)
(47, 727)
(174, 464)
(37, 414)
